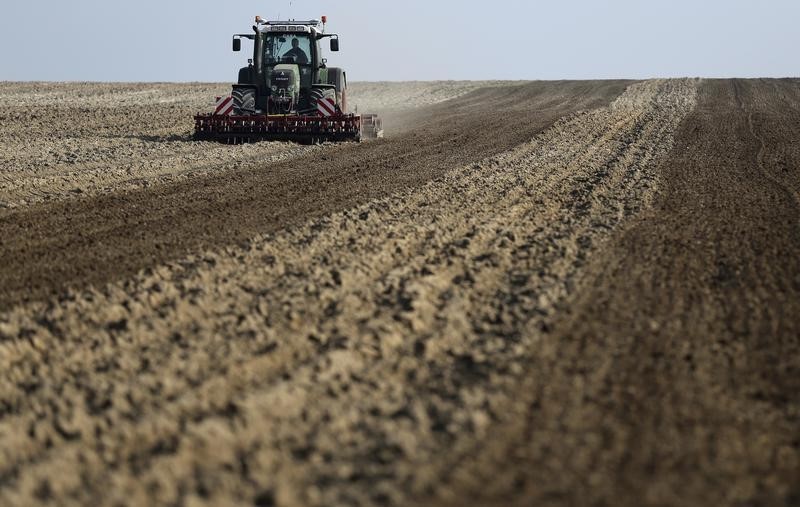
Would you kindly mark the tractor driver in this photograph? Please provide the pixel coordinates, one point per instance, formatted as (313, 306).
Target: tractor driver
(298, 54)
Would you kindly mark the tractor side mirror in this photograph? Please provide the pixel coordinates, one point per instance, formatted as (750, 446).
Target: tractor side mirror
(334, 44)
(237, 44)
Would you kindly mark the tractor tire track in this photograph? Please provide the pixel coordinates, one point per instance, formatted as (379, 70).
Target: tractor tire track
(763, 146)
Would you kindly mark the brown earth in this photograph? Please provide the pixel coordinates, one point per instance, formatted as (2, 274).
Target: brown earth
(597, 307)
(65, 141)
(80, 242)
(673, 378)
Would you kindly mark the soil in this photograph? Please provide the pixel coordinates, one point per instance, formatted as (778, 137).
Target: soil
(592, 305)
(74, 243)
(66, 141)
(673, 377)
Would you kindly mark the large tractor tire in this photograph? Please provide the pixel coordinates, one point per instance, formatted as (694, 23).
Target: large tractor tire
(338, 79)
(244, 100)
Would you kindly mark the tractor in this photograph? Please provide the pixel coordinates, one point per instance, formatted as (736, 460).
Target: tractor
(287, 92)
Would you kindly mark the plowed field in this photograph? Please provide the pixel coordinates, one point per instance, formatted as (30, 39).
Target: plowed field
(546, 293)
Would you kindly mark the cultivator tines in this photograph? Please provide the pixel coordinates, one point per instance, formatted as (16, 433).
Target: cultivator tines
(371, 126)
(304, 129)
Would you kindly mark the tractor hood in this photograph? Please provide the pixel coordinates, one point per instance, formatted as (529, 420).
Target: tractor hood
(285, 79)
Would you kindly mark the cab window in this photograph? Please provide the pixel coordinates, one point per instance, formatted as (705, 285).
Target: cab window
(287, 48)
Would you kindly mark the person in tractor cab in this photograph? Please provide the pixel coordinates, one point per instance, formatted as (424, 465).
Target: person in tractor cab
(298, 54)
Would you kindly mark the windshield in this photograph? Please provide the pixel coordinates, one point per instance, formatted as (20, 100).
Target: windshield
(287, 48)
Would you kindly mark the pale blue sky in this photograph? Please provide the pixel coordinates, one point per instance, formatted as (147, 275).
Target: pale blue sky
(189, 40)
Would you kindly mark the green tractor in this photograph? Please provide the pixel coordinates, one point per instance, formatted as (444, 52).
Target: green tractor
(287, 92)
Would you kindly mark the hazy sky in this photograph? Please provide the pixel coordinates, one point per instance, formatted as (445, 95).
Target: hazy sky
(189, 40)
